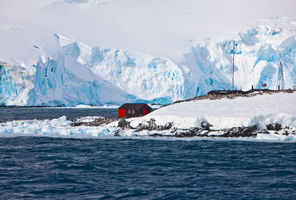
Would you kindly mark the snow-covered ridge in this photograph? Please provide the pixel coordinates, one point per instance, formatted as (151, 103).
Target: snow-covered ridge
(259, 110)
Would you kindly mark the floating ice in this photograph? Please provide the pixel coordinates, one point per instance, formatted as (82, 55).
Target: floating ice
(59, 127)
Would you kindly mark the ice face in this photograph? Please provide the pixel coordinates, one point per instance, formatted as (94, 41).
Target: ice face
(15, 84)
(65, 82)
(139, 74)
(74, 73)
(8, 87)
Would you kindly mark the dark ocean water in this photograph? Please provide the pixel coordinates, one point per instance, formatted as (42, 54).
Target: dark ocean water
(65, 168)
(59, 168)
(29, 113)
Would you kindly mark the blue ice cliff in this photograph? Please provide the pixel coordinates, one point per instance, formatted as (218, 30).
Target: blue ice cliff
(80, 74)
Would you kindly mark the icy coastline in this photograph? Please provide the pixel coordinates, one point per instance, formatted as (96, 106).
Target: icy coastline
(259, 117)
(62, 127)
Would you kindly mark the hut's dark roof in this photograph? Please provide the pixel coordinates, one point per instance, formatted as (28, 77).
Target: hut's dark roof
(132, 105)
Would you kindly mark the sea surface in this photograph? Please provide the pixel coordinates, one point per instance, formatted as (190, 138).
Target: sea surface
(29, 113)
(141, 168)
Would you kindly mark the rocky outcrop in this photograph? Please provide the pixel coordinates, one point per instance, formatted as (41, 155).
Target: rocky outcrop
(241, 132)
(96, 122)
(151, 126)
(274, 127)
(123, 124)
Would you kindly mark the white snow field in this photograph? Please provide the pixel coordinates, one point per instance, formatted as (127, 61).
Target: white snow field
(224, 113)
(96, 52)
(260, 110)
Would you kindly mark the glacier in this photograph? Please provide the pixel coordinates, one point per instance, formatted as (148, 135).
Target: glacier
(139, 74)
(74, 73)
(63, 82)
(259, 52)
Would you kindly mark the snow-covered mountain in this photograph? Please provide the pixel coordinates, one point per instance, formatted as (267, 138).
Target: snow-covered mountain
(95, 52)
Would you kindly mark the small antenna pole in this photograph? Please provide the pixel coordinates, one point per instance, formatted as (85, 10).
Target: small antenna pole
(233, 65)
(281, 85)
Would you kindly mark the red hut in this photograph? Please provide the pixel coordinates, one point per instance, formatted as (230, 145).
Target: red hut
(134, 110)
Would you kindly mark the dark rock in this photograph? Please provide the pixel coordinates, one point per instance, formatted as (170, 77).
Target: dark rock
(96, 122)
(116, 133)
(77, 124)
(155, 135)
(167, 126)
(286, 133)
(185, 134)
(124, 124)
(174, 130)
(274, 127)
(263, 131)
(206, 125)
(151, 125)
(159, 135)
(241, 132)
(188, 132)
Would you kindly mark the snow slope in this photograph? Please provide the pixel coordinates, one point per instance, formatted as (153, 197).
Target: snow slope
(225, 113)
(163, 28)
(135, 50)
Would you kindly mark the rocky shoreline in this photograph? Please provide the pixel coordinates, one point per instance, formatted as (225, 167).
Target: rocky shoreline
(95, 122)
(205, 129)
